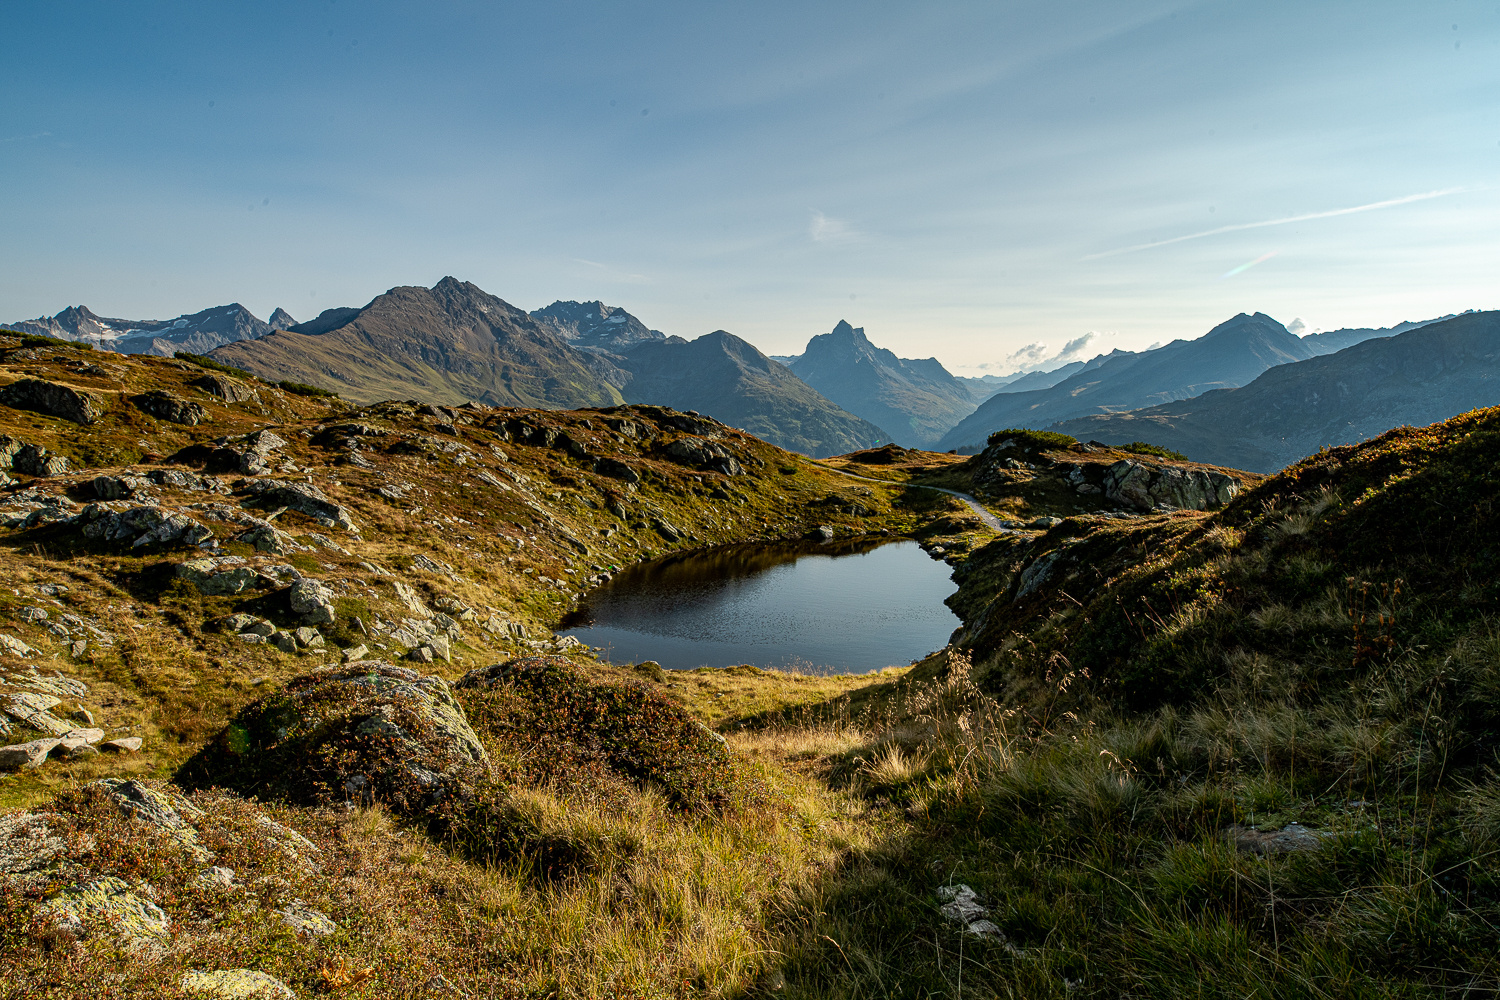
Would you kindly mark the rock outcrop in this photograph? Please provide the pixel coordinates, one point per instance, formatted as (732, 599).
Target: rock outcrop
(54, 400)
(1147, 486)
(173, 409)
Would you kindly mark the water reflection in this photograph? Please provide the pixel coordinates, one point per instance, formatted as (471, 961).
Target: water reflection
(826, 607)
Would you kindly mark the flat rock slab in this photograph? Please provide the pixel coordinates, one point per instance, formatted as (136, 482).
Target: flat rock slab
(123, 744)
(26, 755)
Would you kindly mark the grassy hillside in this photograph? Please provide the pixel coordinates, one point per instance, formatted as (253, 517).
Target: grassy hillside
(1242, 753)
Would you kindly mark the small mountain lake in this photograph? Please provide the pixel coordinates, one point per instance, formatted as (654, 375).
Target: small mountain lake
(834, 607)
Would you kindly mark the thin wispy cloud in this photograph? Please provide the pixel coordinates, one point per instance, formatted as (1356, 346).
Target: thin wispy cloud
(1248, 265)
(1238, 227)
(23, 138)
(822, 229)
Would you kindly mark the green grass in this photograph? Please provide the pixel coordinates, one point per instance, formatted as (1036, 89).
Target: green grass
(1143, 448)
(202, 361)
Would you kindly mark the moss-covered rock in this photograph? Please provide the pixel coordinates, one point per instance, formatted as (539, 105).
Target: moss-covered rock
(365, 731)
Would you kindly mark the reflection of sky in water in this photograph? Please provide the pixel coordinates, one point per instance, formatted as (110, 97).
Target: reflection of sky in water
(848, 612)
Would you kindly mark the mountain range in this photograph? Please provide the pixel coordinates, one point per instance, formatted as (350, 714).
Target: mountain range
(1431, 372)
(456, 342)
(196, 333)
(1230, 355)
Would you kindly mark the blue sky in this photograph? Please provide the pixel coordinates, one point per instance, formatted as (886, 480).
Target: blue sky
(963, 180)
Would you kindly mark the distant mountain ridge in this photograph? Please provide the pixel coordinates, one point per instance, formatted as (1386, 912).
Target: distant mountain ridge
(196, 333)
(456, 342)
(1231, 354)
(1434, 371)
(915, 400)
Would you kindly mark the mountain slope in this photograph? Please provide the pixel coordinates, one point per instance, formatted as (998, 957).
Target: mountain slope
(915, 400)
(1231, 354)
(594, 325)
(197, 333)
(1336, 340)
(727, 378)
(1427, 374)
(446, 344)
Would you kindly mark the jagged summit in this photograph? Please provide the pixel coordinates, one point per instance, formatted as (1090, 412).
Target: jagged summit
(281, 320)
(595, 326)
(916, 400)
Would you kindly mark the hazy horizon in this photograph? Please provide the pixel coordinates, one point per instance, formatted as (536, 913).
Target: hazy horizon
(963, 181)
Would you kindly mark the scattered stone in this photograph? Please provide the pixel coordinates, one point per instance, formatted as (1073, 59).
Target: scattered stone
(118, 487)
(174, 409)
(136, 923)
(26, 755)
(31, 614)
(84, 716)
(30, 849)
(308, 638)
(284, 641)
(303, 497)
(239, 622)
(236, 984)
(215, 878)
(144, 803)
(408, 596)
(34, 460)
(32, 709)
(122, 744)
(355, 653)
(214, 577)
(615, 469)
(314, 602)
(54, 400)
(1289, 839)
(305, 920)
(228, 389)
(705, 453)
(823, 533)
(666, 529)
(75, 738)
(267, 537)
(15, 647)
(421, 654)
(141, 526)
(961, 905)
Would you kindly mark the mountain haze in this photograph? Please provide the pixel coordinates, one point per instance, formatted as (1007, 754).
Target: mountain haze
(915, 400)
(1231, 354)
(730, 380)
(445, 344)
(1430, 373)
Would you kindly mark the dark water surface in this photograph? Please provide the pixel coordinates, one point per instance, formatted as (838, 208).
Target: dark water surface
(822, 608)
